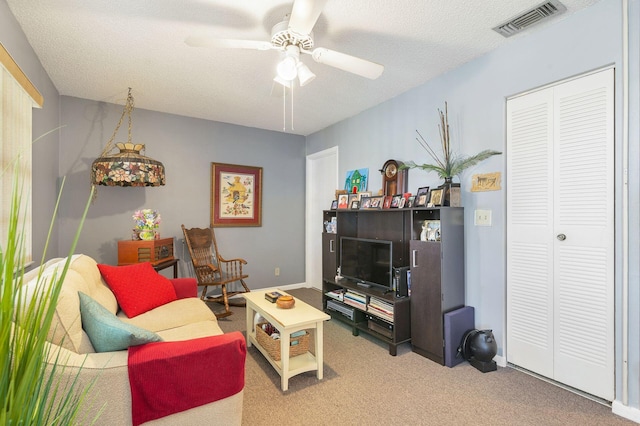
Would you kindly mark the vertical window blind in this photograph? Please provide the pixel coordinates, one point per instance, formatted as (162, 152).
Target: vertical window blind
(17, 99)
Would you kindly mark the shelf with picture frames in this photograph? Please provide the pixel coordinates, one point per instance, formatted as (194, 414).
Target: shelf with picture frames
(427, 241)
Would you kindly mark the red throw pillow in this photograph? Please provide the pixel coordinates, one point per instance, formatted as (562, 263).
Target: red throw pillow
(138, 288)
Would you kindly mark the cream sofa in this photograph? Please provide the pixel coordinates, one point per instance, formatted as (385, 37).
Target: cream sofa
(183, 319)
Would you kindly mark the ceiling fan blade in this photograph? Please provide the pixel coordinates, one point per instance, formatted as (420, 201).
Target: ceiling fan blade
(304, 15)
(347, 63)
(226, 43)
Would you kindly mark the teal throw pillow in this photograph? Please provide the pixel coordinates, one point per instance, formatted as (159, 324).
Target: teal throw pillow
(106, 331)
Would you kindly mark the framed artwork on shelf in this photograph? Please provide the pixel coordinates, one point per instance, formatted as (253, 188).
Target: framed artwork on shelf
(334, 204)
(422, 197)
(343, 201)
(387, 202)
(402, 203)
(353, 197)
(410, 201)
(355, 204)
(364, 194)
(436, 197)
(395, 201)
(365, 202)
(356, 180)
(236, 195)
(376, 202)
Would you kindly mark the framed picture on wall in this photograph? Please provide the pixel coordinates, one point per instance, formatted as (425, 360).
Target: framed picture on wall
(236, 195)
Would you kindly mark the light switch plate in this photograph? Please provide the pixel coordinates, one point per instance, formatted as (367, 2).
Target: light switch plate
(482, 218)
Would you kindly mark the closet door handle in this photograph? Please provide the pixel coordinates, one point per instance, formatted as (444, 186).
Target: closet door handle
(561, 237)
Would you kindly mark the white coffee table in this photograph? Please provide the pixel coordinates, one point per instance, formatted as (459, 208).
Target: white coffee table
(301, 317)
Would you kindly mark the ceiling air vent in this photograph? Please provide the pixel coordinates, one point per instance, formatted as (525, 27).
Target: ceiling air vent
(539, 13)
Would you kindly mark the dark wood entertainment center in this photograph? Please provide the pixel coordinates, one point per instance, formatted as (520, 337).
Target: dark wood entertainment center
(436, 275)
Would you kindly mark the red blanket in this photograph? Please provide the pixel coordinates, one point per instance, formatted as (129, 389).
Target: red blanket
(169, 377)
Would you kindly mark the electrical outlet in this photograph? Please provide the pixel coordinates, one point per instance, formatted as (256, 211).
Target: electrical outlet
(482, 218)
(277, 271)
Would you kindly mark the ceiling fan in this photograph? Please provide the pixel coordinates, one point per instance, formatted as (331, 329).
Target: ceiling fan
(292, 37)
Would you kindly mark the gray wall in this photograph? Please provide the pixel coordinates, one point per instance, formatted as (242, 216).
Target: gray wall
(476, 94)
(186, 147)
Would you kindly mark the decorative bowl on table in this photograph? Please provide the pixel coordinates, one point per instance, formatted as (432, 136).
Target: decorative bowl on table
(285, 302)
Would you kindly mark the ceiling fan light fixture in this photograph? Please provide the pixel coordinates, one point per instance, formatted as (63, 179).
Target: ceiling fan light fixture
(304, 74)
(287, 68)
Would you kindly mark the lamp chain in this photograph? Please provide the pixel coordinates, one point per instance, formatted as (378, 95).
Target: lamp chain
(128, 108)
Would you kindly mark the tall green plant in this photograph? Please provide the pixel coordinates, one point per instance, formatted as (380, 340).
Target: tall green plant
(30, 394)
(450, 164)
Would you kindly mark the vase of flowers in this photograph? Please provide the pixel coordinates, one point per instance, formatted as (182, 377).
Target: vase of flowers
(450, 164)
(147, 222)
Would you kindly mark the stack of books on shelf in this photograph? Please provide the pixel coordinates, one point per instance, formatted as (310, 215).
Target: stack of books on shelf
(337, 294)
(355, 299)
(380, 308)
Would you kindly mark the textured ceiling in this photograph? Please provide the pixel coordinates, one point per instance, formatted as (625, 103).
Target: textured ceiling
(96, 49)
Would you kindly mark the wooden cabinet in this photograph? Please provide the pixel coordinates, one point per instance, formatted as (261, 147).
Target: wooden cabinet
(436, 267)
(136, 251)
(437, 279)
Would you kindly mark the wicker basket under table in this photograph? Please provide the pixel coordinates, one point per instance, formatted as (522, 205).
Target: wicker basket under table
(273, 346)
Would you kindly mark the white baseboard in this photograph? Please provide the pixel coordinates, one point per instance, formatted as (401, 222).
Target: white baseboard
(285, 287)
(625, 411)
(500, 360)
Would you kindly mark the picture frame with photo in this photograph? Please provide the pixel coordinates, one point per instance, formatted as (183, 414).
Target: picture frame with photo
(402, 203)
(387, 202)
(395, 201)
(376, 202)
(334, 205)
(343, 201)
(422, 197)
(355, 204)
(363, 194)
(436, 197)
(365, 203)
(353, 197)
(410, 201)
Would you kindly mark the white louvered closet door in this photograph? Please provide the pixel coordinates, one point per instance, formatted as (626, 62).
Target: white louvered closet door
(560, 262)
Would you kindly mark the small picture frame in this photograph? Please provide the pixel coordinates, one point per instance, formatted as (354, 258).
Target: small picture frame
(387, 202)
(355, 204)
(422, 197)
(395, 201)
(334, 204)
(410, 201)
(402, 203)
(436, 197)
(365, 203)
(353, 197)
(361, 195)
(376, 202)
(343, 201)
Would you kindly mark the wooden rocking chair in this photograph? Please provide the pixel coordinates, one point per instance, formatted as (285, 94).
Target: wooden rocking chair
(211, 269)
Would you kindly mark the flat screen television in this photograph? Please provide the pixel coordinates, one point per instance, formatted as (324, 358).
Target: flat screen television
(367, 261)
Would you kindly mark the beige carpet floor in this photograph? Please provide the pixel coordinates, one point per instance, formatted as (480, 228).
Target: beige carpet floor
(364, 385)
